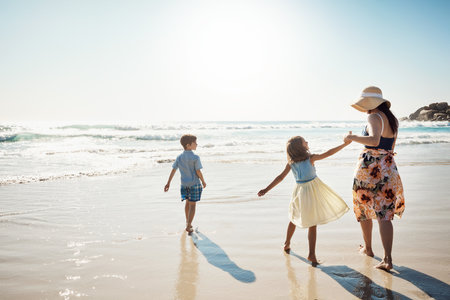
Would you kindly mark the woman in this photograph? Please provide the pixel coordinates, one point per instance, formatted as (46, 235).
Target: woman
(377, 187)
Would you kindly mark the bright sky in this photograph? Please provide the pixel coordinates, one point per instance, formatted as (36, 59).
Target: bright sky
(218, 60)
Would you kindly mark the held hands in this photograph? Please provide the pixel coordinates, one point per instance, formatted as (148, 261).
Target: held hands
(347, 138)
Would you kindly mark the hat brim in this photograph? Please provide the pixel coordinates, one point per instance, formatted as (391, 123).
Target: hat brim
(365, 104)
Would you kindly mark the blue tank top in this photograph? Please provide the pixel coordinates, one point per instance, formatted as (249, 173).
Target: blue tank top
(303, 171)
(385, 143)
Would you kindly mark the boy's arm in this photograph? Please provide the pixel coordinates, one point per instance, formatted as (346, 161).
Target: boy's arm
(276, 181)
(200, 175)
(166, 188)
(330, 152)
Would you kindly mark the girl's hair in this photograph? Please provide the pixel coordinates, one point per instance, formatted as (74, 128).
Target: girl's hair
(295, 150)
(393, 122)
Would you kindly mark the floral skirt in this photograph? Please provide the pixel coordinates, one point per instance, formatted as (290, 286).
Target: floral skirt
(377, 187)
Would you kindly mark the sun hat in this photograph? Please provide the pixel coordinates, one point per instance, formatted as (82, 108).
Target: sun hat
(371, 98)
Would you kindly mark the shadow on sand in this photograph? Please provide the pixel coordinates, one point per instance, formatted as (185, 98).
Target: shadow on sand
(356, 283)
(431, 286)
(218, 258)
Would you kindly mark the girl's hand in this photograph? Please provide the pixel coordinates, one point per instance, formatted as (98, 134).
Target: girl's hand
(166, 188)
(262, 192)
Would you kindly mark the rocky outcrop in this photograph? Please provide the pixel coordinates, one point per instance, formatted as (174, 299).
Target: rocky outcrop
(433, 112)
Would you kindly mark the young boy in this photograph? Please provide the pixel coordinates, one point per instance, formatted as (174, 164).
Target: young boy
(189, 165)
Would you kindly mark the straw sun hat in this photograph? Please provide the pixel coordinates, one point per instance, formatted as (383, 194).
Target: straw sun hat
(370, 98)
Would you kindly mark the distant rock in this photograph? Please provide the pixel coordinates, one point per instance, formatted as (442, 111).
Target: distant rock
(438, 111)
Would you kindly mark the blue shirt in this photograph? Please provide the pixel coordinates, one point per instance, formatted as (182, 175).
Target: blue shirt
(303, 171)
(188, 163)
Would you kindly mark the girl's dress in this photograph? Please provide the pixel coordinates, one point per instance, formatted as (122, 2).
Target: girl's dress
(377, 187)
(313, 202)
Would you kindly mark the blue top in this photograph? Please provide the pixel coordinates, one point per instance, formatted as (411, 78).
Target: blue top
(188, 163)
(303, 171)
(385, 143)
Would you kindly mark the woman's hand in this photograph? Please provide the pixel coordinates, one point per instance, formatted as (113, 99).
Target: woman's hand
(348, 138)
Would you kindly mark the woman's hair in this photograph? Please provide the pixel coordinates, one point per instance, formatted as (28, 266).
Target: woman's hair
(295, 150)
(393, 122)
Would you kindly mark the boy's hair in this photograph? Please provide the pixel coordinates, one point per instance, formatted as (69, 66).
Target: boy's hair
(295, 150)
(187, 139)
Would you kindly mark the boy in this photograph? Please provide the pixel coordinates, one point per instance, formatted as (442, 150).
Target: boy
(189, 165)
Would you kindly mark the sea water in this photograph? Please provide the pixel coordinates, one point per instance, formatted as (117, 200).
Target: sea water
(31, 152)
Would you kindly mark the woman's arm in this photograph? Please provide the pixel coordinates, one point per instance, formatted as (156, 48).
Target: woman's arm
(276, 181)
(373, 139)
(330, 152)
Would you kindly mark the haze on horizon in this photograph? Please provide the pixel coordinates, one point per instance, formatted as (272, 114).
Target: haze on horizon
(211, 60)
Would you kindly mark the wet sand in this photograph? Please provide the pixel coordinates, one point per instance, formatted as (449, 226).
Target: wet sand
(121, 237)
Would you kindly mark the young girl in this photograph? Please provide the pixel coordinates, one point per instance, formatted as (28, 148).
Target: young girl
(313, 202)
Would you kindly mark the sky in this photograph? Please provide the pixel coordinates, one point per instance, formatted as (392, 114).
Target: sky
(152, 61)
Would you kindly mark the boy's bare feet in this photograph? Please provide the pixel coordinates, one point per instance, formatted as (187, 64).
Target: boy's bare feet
(385, 264)
(365, 251)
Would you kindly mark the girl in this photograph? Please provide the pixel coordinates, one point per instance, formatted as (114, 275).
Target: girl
(313, 202)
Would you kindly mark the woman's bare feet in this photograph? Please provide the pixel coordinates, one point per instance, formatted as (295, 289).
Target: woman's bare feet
(365, 251)
(385, 264)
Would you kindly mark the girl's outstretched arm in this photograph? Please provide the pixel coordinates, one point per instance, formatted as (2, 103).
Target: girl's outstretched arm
(276, 181)
(330, 152)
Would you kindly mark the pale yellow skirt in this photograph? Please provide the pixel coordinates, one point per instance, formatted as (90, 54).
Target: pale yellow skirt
(315, 203)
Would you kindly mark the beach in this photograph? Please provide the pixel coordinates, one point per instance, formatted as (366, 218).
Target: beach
(122, 237)
(118, 235)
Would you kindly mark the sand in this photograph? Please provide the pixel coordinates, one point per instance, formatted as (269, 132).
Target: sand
(122, 237)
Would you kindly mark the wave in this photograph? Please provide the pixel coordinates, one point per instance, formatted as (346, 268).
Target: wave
(28, 136)
(29, 179)
(88, 127)
(421, 142)
(424, 124)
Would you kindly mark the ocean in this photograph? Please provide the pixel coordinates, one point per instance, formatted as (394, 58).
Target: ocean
(42, 152)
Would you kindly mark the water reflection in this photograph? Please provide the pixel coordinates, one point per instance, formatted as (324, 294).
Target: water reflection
(217, 257)
(186, 288)
(358, 284)
(431, 286)
(296, 291)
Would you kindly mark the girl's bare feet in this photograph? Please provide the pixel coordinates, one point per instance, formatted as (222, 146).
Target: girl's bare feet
(385, 264)
(287, 248)
(365, 251)
(313, 260)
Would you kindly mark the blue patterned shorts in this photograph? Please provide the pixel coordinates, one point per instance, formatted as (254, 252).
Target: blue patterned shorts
(191, 193)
